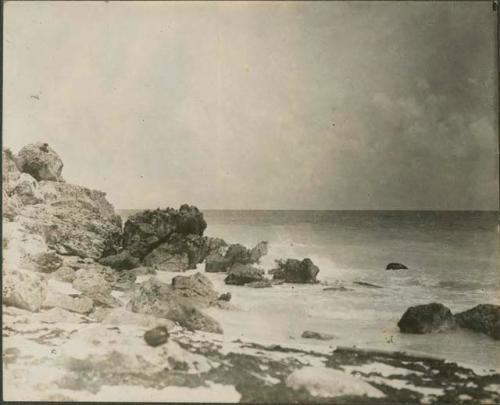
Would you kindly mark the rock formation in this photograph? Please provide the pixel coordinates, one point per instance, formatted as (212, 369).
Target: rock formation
(41, 161)
(296, 271)
(396, 266)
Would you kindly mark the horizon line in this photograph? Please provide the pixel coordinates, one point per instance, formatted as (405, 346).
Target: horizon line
(324, 210)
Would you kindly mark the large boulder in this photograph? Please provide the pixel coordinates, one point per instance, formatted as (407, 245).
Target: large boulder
(146, 230)
(191, 318)
(484, 318)
(23, 289)
(296, 271)
(41, 161)
(95, 286)
(73, 220)
(426, 318)
(241, 274)
(121, 261)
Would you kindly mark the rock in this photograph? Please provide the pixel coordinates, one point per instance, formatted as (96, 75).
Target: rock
(156, 336)
(163, 259)
(64, 273)
(26, 189)
(214, 246)
(258, 251)
(120, 316)
(94, 285)
(146, 230)
(217, 263)
(259, 284)
(225, 297)
(160, 299)
(152, 297)
(23, 289)
(484, 318)
(330, 383)
(10, 171)
(426, 318)
(396, 266)
(241, 274)
(369, 285)
(337, 288)
(295, 271)
(197, 287)
(192, 318)
(73, 220)
(10, 206)
(120, 261)
(79, 304)
(308, 334)
(143, 271)
(238, 254)
(47, 262)
(41, 161)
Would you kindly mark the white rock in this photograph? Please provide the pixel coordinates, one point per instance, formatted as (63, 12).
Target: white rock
(327, 382)
(24, 289)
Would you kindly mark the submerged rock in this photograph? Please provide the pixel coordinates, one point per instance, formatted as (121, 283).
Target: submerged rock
(23, 289)
(146, 230)
(121, 261)
(426, 318)
(260, 284)
(241, 274)
(484, 318)
(296, 271)
(308, 334)
(396, 266)
(41, 161)
(225, 297)
(156, 336)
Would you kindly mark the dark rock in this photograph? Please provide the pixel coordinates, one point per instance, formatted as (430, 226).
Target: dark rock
(259, 284)
(484, 318)
(214, 246)
(225, 297)
(41, 161)
(308, 334)
(240, 254)
(257, 252)
(156, 336)
(216, 263)
(241, 274)
(396, 266)
(121, 261)
(146, 230)
(339, 288)
(296, 271)
(426, 318)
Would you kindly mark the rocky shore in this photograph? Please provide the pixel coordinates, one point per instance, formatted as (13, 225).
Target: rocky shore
(86, 316)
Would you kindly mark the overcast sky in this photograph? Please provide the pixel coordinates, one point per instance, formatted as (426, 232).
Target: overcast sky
(286, 105)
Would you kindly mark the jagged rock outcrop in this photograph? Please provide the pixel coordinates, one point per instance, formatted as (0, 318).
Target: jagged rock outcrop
(72, 220)
(296, 271)
(146, 230)
(41, 161)
(235, 254)
(484, 318)
(426, 318)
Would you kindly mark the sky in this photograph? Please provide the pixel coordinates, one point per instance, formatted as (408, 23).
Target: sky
(261, 105)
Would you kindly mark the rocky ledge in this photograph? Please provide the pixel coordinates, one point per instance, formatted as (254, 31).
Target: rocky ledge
(88, 315)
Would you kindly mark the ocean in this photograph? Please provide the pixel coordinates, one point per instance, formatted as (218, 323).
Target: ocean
(453, 258)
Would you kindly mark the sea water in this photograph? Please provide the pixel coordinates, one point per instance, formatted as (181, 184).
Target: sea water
(453, 258)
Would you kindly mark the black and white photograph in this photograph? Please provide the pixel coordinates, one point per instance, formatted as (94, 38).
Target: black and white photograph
(267, 202)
